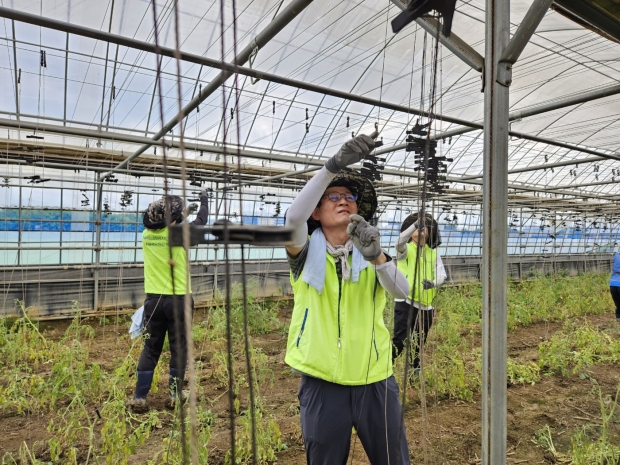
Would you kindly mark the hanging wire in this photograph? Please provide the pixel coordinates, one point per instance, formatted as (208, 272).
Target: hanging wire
(422, 219)
(246, 336)
(167, 215)
(229, 342)
(186, 244)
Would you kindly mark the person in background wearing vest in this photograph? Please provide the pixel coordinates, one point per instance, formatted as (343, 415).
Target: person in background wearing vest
(337, 340)
(163, 297)
(429, 275)
(614, 284)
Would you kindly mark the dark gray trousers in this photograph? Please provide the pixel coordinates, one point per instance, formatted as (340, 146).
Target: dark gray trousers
(163, 315)
(421, 322)
(615, 294)
(329, 411)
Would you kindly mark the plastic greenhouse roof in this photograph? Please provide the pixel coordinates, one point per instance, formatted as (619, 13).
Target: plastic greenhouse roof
(344, 45)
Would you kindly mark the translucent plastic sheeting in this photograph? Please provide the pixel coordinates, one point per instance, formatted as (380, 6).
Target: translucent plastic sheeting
(343, 45)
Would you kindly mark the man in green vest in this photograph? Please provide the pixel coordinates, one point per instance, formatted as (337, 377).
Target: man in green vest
(337, 340)
(420, 262)
(164, 306)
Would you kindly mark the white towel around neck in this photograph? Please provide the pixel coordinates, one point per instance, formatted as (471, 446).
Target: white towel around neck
(316, 261)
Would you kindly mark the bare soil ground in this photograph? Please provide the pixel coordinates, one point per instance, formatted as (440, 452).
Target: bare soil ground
(448, 434)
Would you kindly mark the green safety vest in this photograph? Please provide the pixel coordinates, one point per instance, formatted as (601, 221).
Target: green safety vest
(428, 260)
(339, 335)
(157, 278)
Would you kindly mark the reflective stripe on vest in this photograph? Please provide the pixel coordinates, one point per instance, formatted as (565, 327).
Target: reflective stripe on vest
(339, 336)
(428, 261)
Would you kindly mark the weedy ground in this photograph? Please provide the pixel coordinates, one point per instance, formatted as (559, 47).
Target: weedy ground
(63, 386)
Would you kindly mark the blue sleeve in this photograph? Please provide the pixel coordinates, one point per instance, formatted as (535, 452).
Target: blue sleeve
(615, 271)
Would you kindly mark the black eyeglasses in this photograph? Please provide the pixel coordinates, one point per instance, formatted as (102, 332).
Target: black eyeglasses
(336, 196)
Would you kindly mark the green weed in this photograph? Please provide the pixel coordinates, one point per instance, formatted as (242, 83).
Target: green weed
(454, 368)
(541, 298)
(544, 439)
(578, 347)
(262, 316)
(171, 451)
(526, 373)
(591, 444)
(453, 362)
(41, 375)
(268, 440)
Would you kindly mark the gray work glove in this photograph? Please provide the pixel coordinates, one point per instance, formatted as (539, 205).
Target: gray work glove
(351, 152)
(365, 238)
(191, 208)
(426, 284)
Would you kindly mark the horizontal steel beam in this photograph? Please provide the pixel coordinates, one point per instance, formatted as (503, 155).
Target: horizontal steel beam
(544, 167)
(520, 39)
(453, 43)
(197, 59)
(279, 22)
(138, 173)
(70, 267)
(577, 99)
(579, 161)
(302, 159)
(518, 115)
(593, 183)
(211, 63)
(285, 175)
(189, 145)
(518, 135)
(576, 148)
(529, 188)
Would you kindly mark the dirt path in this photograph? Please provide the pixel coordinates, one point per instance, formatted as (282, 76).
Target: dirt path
(452, 426)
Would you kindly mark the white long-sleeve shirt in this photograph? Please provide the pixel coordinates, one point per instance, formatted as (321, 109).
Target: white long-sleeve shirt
(392, 280)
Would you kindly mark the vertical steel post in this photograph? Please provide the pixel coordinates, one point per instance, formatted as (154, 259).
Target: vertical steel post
(97, 245)
(216, 249)
(136, 226)
(19, 223)
(495, 229)
(61, 224)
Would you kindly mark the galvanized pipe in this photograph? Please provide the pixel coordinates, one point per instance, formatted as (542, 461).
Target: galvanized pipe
(97, 248)
(517, 115)
(168, 52)
(521, 135)
(287, 15)
(454, 43)
(15, 71)
(37, 268)
(559, 164)
(520, 39)
(211, 63)
(495, 239)
(191, 146)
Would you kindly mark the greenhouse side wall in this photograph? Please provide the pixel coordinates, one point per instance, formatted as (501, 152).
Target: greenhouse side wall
(53, 293)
